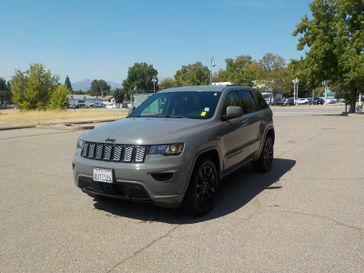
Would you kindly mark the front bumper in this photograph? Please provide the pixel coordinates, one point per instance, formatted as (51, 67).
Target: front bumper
(134, 181)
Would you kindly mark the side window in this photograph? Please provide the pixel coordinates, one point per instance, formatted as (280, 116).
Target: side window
(261, 104)
(247, 101)
(231, 99)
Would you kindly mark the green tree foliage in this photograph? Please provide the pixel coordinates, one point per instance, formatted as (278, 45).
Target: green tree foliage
(59, 99)
(241, 70)
(5, 93)
(334, 43)
(271, 62)
(68, 84)
(99, 88)
(192, 74)
(167, 83)
(32, 89)
(275, 73)
(140, 77)
(119, 95)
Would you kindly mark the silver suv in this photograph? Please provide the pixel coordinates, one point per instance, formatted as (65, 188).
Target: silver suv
(176, 146)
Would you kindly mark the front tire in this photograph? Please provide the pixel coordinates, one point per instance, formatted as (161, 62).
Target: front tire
(265, 160)
(202, 189)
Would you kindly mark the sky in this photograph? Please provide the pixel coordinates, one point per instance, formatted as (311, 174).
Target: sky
(101, 39)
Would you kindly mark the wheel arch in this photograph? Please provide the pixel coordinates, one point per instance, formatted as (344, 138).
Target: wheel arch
(211, 153)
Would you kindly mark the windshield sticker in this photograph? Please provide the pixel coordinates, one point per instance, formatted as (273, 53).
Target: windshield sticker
(207, 109)
(203, 114)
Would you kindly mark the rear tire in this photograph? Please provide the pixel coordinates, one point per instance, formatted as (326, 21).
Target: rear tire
(202, 189)
(265, 160)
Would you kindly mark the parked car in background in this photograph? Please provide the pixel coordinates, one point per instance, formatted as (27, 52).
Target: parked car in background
(290, 101)
(318, 100)
(76, 105)
(278, 101)
(94, 104)
(301, 101)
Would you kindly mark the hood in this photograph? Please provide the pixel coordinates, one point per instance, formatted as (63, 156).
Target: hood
(145, 130)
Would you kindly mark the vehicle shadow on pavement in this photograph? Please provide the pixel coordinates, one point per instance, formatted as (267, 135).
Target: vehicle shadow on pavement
(235, 191)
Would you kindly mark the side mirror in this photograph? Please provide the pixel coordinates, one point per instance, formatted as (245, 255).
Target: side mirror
(232, 112)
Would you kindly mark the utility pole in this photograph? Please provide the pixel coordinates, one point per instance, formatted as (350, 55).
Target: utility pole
(295, 87)
(154, 80)
(212, 64)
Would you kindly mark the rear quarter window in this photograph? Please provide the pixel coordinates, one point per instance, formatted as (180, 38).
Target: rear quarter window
(260, 101)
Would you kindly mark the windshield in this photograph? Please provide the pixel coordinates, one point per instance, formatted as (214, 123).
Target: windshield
(195, 105)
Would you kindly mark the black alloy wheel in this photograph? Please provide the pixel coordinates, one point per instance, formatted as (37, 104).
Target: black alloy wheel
(202, 190)
(264, 162)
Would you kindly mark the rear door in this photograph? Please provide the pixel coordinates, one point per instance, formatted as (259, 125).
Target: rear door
(251, 122)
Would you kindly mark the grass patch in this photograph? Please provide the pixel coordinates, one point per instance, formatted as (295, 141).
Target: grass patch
(10, 117)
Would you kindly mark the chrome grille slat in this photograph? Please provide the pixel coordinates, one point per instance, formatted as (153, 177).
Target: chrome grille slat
(107, 152)
(117, 152)
(128, 153)
(99, 150)
(114, 152)
(84, 150)
(140, 153)
(91, 150)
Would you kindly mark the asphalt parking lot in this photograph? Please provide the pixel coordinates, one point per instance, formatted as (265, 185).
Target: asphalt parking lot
(306, 215)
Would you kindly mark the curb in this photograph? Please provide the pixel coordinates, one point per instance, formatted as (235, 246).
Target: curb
(17, 127)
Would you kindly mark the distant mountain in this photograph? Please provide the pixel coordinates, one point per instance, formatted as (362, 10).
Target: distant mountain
(114, 85)
(84, 85)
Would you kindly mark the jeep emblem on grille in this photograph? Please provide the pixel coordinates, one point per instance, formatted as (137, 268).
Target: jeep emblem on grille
(110, 139)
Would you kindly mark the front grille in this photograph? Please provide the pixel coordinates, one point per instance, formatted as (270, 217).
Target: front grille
(114, 152)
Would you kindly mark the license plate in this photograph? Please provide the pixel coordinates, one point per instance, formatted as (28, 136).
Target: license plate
(102, 175)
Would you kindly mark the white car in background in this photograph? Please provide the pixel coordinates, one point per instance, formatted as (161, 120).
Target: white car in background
(302, 101)
(110, 106)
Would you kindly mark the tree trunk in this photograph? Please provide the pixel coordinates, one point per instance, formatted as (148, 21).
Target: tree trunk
(353, 97)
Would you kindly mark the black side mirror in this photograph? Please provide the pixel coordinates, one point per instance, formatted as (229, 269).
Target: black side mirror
(232, 112)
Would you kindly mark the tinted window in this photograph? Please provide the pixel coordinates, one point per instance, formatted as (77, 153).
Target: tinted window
(247, 101)
(231, 99)
(196, 105)
(261, 104)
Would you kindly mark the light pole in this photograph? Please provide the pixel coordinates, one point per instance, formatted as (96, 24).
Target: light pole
(295, 87)
(212, 64)
(154, 80)
(325, 85)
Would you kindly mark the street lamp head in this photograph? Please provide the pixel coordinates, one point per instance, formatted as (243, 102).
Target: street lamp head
(213, 64)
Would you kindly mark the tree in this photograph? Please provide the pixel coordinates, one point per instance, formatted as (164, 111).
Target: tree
(271, 62)
(5, 93)
(68, 84)
(192, 74)
(241, 70)
(119, 95)
(275, 74)
(32, 89)
(334, 44)
(167, 83)
(140, 77)
(59, 97)
(99, 88)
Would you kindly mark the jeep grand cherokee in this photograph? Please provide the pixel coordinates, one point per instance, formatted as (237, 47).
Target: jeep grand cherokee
(176, 146)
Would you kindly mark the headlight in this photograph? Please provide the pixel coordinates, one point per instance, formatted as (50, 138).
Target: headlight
(80, 143)
(166, 149)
